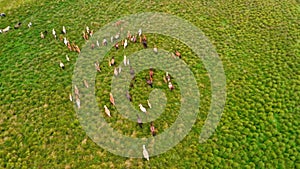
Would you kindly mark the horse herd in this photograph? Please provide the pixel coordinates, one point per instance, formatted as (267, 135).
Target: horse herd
(130, 38)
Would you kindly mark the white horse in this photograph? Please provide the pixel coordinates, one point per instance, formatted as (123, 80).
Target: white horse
(6, 29)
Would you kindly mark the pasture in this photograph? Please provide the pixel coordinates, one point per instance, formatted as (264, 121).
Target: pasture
(257, 41)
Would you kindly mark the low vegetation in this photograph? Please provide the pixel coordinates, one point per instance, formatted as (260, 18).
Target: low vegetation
(258, 42)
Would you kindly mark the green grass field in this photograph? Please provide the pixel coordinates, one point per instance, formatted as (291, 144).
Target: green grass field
(257, 41)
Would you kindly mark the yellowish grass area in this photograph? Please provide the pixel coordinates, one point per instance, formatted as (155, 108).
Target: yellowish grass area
(6, 5)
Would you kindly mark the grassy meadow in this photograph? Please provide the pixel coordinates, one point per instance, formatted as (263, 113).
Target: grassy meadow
(257, 41)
